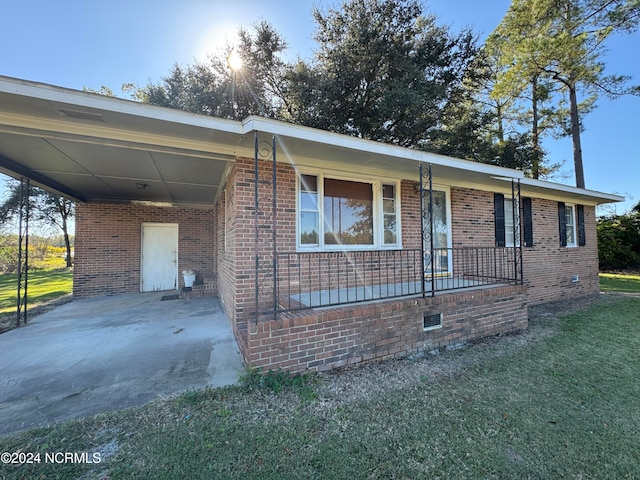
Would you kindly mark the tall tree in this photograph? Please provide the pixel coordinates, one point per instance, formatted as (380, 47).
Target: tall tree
(484, 127)
(250, 86)
(563, 41)
(46, 207)
(386, 70)
(383, 70)
(479, 126)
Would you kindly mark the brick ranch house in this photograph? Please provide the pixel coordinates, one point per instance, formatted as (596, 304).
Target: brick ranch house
(325, 250)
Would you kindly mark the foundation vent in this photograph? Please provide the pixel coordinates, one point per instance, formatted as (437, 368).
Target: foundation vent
(92, 117)
(431, 322)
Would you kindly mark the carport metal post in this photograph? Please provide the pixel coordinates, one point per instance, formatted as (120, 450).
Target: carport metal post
(23, 256)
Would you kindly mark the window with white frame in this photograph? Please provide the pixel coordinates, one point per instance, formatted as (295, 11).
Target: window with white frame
(389, 214)
(338, 213)
(308, 211)
(570, 225)
(508, 222)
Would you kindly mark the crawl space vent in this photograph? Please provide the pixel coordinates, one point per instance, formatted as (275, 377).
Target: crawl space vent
(429, 322)
(92, 117)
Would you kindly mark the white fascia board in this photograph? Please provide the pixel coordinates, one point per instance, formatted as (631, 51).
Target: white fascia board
(109, 136)
(96, 101)
(277, 127)
(559, 190)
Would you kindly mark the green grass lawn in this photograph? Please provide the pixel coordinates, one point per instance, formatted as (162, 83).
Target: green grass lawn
(562, 406)
(43, 285)
(615, 282)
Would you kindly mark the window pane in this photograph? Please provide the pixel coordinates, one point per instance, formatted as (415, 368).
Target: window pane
(308, 183)
(508, 212)
(309, 228)
(390, 230)
(508, 234)
(389, 206)
(508, 223)
(308, 201)
(389, 191)
(348, 213)
(571, 237)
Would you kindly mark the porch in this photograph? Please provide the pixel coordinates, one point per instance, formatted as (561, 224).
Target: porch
(332, 337)
(326, 279)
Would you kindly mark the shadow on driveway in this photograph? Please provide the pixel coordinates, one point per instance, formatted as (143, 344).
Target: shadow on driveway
(102, 354)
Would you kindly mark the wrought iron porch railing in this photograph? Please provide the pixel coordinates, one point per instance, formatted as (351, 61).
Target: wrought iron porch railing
(322, 279)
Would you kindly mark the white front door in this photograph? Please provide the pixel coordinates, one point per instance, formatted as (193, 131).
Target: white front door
(159, 257)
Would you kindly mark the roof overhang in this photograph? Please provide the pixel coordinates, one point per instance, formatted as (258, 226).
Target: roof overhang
(556, 191)
(308, 145)
(93, 148)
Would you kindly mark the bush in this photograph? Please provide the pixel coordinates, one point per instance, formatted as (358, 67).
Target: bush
(619, 241)
(8, 258)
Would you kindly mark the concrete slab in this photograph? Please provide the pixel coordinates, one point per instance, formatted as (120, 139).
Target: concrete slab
(101, 354)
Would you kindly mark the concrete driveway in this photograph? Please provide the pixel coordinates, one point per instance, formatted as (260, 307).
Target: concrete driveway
(101, 354)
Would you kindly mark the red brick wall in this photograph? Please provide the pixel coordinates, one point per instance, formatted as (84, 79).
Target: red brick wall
(330, 338)
(472, 221)
(226, 245)
(410, 216)
(548, 267)
(232, 232)
(327, 338)
(236, 213)
(108, 240)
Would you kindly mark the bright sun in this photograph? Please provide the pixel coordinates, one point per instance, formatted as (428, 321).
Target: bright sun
(235, 61)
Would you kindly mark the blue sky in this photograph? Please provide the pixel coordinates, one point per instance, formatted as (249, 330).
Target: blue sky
(80, 43)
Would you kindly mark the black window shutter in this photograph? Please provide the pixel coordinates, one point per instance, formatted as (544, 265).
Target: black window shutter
(498, 211)
(582, 240)
(527, 221)
(562, 221)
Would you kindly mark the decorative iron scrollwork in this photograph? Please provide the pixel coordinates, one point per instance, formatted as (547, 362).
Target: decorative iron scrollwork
(426, 216)
(518, 239)
(265, 227)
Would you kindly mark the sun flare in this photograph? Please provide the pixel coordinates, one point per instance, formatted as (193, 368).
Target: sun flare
(235, 61)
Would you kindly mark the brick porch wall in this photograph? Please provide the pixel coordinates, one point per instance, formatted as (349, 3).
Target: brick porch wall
(108, 240)
(331, 338)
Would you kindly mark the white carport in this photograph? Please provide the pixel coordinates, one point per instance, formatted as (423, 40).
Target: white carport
(92, 148)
